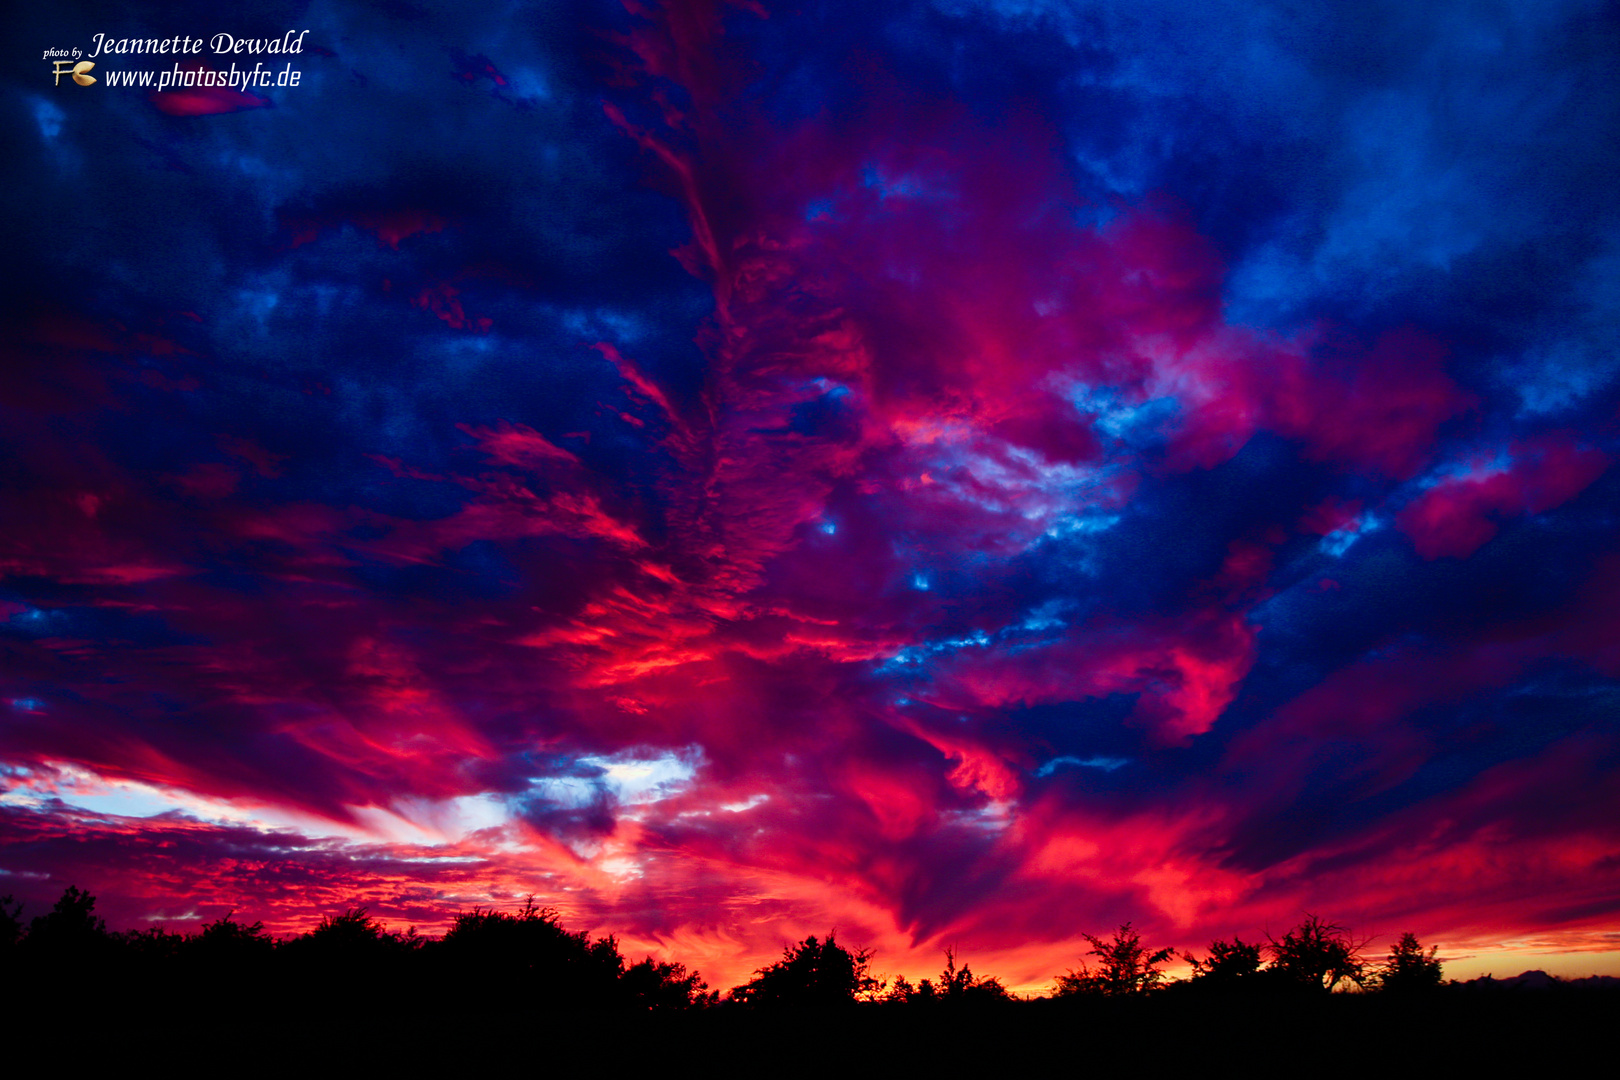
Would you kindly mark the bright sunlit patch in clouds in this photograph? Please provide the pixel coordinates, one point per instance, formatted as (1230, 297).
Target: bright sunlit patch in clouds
(83, 789)
(469, 813)
(569, 791)
(995, 816)
(628, 780)
(430, 822)
(643, 780)
(80, 788)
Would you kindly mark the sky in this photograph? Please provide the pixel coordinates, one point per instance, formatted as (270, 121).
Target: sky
(962, 474)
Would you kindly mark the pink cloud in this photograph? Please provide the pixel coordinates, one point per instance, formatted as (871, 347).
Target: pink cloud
(1458, 515)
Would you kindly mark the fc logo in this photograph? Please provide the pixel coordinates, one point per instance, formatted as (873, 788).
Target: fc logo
(66, 67)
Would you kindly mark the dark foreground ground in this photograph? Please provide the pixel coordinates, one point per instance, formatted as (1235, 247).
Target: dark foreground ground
(327, 1029)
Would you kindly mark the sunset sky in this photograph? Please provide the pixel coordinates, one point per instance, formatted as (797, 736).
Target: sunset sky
(963, 474)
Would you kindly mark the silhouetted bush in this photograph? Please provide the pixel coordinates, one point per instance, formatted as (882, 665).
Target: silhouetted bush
(957, 987)
(1230, 966)
(1317, 955)
(1125, 967)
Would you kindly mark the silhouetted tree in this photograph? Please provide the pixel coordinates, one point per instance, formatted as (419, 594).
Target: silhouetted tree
(228, 952)
(1125, 967)
(227, 941)
(1408, 969)
(353, 933)
(1228, 964)
(11, 925)
(353, 945)
(956, 986)
(810, 974)
(654, 984)
(1317, 955)
(529, 953)
(154, 947)
(70, 930)
(11, 932)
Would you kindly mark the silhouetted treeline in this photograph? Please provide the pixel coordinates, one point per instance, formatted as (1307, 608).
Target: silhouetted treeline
(504, 989)
(525, 955)
(528, 957)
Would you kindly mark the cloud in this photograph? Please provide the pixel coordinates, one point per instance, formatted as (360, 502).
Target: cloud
(953, 472)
